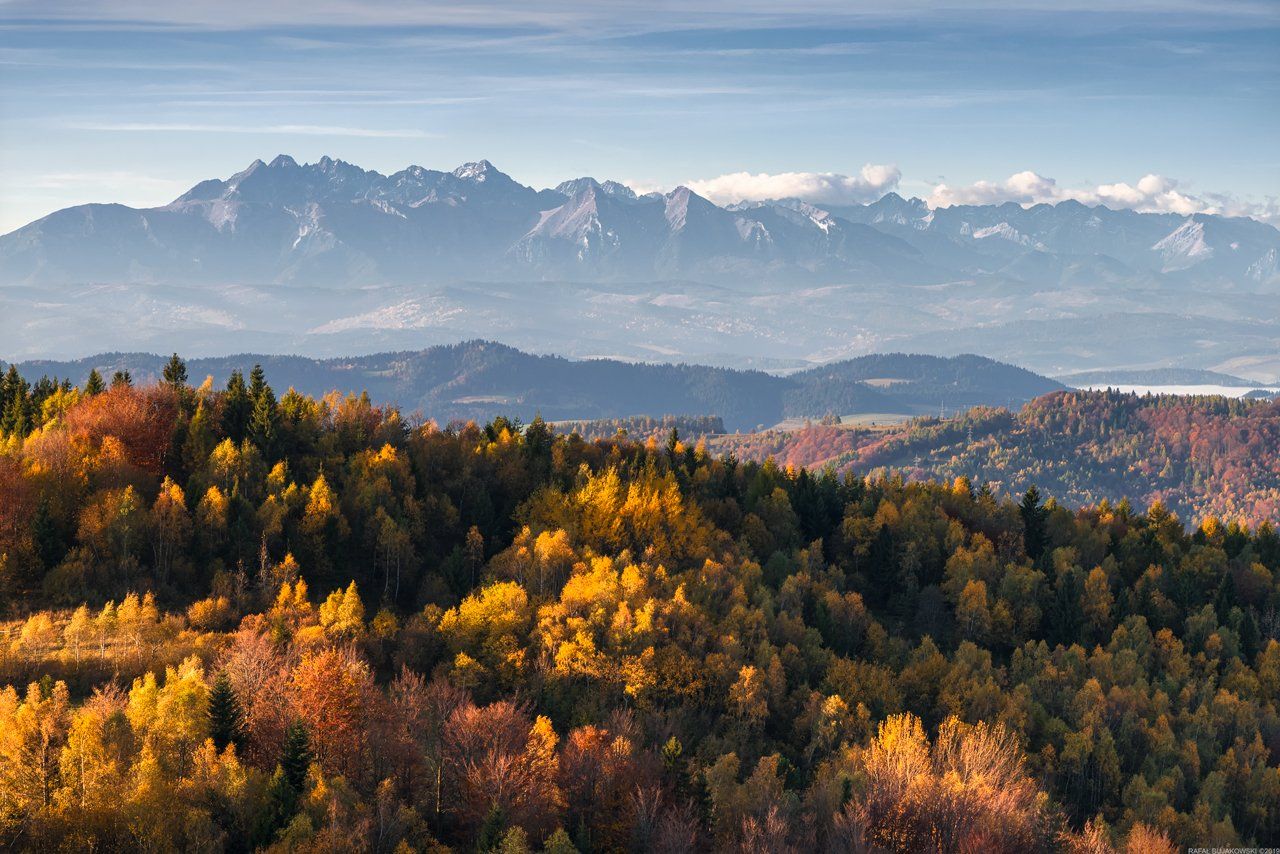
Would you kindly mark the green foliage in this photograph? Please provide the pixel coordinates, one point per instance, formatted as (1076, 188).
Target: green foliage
(226, 720)
(296, 758)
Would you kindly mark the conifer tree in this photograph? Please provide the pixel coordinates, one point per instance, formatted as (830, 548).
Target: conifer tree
(1033, 522)
(94, 385)
(297, 756)
(175, 372)
(226, 721)
(237, 406)
(121, 378)
(262, 422)
(14, 417)
(257, 382)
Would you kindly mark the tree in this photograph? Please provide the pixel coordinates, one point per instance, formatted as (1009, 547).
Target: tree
(122, 379)
(15, 415)
(94, 385)
(498, 764)
(237, 406)
(296, 758)
(1033, 523)
(966, 790)
(333, 695)
(175, 372)
(226, 720)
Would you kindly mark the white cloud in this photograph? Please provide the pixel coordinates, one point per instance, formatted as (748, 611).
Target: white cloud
(285, 130)
(1151, 193)
(872, 182)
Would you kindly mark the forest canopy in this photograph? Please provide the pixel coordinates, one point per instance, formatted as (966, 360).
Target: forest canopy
(240, 620)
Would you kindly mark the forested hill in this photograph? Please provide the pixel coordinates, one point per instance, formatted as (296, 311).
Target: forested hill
(1199, 455)
(241, 621)
(481, 380)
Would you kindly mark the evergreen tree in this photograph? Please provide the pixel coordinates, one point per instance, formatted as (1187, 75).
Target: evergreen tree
(15, 416)
(121, 378)
(48, 540)
(257, 382)
(94, 385)
(1225, 599)
(175, 372)
(297, 756)
(1250, 637)
(262, 422)
(226, 721)
(1033, 523)
(237, 407)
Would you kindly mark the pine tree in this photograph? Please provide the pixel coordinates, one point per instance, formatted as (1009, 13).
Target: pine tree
(296, 757)
(121, 379)
(226, 721)
(175, 372)
(237, 406)
(94, 385)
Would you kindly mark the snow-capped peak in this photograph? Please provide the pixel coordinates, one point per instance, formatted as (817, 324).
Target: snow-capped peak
(477, 171)
(1184, 246)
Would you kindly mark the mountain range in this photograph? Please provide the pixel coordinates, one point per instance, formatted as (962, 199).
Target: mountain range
(329, 259)
(482, 379)
(332, 223)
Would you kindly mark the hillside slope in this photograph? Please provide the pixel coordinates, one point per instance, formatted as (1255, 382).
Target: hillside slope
(1200, 456)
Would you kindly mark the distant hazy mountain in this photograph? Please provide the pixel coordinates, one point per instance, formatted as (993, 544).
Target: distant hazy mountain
(327, 259)
(481, 379)
(332, 223)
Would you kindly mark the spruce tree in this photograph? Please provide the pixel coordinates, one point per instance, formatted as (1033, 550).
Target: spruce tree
(297, 756)
(237, 406)
(262, 422)
(121, 378)
(175, 372)
(226, 721)
(14, 416)
(1033, 523)
(257, 382)
(94, 385)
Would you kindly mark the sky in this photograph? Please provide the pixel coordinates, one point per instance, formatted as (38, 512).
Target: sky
(1171, 105)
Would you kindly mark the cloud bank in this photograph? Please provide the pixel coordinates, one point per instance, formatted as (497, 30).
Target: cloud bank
(1150, 194)
(826, 188)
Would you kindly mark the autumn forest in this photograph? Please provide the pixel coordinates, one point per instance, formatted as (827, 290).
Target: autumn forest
(233, 619)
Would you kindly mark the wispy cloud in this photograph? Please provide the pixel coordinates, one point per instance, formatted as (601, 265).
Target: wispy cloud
(110, 181)
(282, 130)
(583, 15)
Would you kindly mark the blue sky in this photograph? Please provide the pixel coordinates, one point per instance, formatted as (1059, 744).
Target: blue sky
(1172, 105)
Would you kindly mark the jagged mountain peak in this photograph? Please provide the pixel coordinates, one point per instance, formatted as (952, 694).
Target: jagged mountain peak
(611, 188)
(479, 171)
